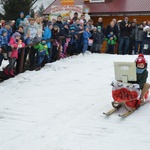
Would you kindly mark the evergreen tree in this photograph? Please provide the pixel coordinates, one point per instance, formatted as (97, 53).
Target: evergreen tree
(41, 9)
(32, 12)
(12, 8)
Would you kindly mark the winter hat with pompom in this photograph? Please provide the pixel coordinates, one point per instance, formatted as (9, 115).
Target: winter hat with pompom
(17, 34)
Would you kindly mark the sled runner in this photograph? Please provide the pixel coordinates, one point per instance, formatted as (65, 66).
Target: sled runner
(126, 96)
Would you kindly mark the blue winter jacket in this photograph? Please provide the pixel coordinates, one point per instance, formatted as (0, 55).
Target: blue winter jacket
(9, 32)
(86, 36)
(47, 35)
(3, 41)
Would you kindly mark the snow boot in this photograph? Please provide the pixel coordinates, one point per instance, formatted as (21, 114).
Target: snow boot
(11, 73)
(6, 71)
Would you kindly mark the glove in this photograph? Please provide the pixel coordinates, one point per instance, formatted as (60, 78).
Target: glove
(20, 46)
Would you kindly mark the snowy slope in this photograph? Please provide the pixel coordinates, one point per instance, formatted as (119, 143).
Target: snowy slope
(60, 108)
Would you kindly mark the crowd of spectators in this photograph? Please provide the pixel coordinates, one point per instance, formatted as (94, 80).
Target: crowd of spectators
(69, 36)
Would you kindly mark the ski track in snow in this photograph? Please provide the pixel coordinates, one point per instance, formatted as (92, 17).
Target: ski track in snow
(60, 108)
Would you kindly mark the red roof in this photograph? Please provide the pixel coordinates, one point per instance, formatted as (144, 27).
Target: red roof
(112, 6)
(120, 6)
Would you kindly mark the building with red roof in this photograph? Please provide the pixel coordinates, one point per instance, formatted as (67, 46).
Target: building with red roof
(109, 9)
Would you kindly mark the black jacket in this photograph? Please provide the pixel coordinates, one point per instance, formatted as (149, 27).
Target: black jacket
(125, 30)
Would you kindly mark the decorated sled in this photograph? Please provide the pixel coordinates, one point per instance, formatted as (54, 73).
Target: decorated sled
(125, 95)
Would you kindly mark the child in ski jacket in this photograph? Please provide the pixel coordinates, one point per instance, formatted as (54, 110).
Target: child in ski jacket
(111, 40)
(98, 38)
(73, 46)
(142, 75)
(86, 36)
(42, 50)
(3, 45)
(15, 44)
(134, 95)
(5, 50)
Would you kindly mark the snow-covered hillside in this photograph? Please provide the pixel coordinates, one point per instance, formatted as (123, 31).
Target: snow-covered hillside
(61, 107)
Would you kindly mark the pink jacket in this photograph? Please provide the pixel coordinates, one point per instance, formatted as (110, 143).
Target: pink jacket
(13, 43)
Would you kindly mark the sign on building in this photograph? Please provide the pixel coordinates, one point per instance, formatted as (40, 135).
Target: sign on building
(66, 10)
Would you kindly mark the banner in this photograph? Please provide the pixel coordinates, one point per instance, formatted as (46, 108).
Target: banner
(67, 10)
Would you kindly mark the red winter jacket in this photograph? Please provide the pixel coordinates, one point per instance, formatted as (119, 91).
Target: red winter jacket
(14, 44)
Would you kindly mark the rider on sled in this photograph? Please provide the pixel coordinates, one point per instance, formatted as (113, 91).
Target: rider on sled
(129, 95)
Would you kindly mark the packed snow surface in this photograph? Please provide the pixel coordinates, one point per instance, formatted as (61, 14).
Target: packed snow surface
(61, 107)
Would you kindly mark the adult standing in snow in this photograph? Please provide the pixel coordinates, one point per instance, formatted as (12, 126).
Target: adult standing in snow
(20, 20)
(47, 35)
(125, 32)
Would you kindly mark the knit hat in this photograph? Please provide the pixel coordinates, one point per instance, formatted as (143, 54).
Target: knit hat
(72, 28)
(6, 23)
(3, 31)
(66, 24)
(86, 27)
(17, 34)
(81, 21)
(46, 16)
(21, 13)
(141, 59)
(43, 40)
(28, 16)
(55, 26)
(49, 23)
(98, 27)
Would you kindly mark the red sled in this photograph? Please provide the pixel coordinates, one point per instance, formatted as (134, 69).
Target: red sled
(126, 94)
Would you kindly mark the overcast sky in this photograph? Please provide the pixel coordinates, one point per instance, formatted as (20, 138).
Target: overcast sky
(46, 3)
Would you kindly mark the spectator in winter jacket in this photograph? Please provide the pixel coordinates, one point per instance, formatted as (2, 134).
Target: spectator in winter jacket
(146, 47)
(86, 36)
(90, 25)
(56, 44)
(39, 27)
(83, 18)
(19, 20)
(111, 40)
(100, 23)
(75, 17)
(98, 38)
(76, 25)
(125, 32)
(73, 45)
(42, 49)
(66, 33)
(131, 48)
(32, 30)
(22, 38)
(33, 36)
(15, 44)
(12, 25)
(4, 53)
(112, 27)
(8, 28)
(139, 38)
(59, 22)
(47, 35)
